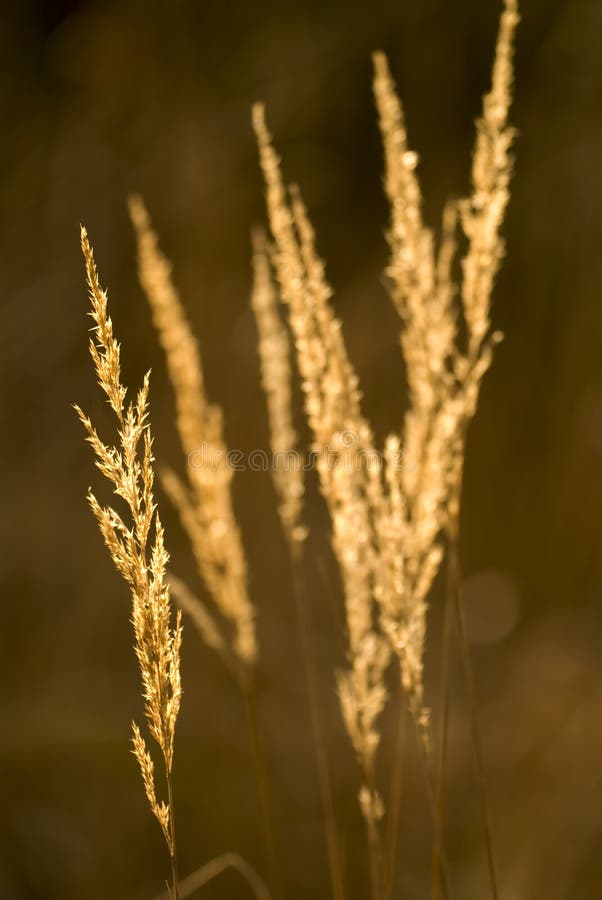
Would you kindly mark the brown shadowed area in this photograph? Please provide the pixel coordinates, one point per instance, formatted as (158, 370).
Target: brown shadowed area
(103, 100)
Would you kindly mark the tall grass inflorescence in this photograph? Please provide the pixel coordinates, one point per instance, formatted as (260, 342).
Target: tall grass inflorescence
(394, 509)
(138, 551)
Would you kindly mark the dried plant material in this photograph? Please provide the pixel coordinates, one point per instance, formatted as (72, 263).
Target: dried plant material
(482, 214)
(138, 551)
(200, 616)
(205, 507)
(387, 530)
(215, 867)
(444, 381)
(276, 377)
(349, 481)
(390, 512)
(205, 503)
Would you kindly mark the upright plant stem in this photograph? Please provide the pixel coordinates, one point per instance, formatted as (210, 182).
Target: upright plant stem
(425, 760)
(320, 747)
(263, 789)
(477, 741)
(395, 799)
(173, 855)
(172, 846)
(374, 843)
(450, 589)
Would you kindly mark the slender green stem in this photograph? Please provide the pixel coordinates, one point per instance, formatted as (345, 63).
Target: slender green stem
(262, 783)
(320, 747)
(395, 799)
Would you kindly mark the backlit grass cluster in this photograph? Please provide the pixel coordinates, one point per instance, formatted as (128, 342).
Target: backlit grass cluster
(391, 524)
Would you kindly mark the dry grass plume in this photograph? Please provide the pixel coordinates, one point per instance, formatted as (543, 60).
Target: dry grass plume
(138, 551)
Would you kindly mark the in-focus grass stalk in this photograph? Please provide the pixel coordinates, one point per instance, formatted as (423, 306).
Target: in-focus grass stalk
(138, 551)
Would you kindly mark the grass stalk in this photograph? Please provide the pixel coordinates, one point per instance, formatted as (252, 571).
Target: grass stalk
(426, 764)
(262, 783)
(173, 853)
(395, 794)
(371, 817)
(448, 605)
(319, 740)
(477, 740)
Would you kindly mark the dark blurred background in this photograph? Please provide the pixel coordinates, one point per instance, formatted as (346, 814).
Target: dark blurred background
(101, 99)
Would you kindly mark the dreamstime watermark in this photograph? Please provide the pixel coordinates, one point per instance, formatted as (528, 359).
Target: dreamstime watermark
(343, 452)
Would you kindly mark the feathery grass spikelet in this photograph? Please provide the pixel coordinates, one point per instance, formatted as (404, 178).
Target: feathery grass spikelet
(386, 534)
(139, 559)
(482, 213)
(276, 376)
(423, 495)
(206, 508)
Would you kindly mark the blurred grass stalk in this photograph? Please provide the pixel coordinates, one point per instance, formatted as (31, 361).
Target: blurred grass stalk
(388, 534)
(205, 507)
